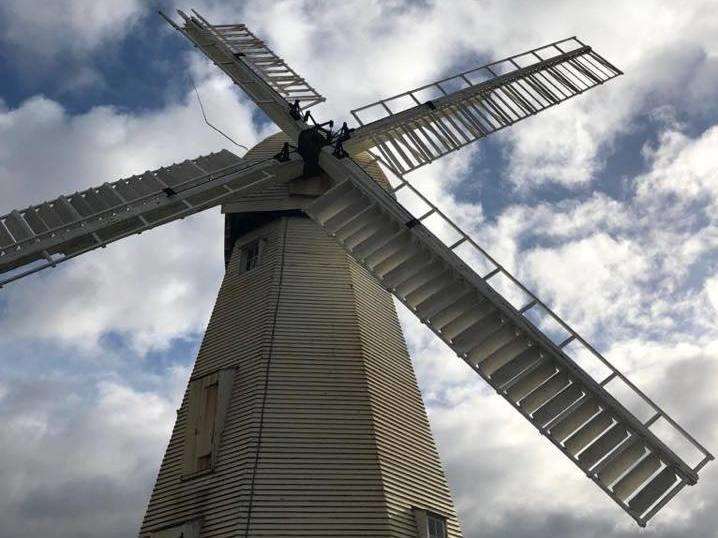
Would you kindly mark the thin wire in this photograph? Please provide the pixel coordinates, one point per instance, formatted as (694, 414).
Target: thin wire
(267, 371)
(204, 115)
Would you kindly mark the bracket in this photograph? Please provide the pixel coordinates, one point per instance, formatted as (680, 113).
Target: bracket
(283, 156)
(295, 111)
(343, 135)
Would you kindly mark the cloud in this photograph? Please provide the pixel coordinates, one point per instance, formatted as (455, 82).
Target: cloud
(683, 171)
(50, 29)
(672, 59)
(91, 450)
(637, 277)
(711, 288)
(635, 269)
(598, 262)
(164, 273)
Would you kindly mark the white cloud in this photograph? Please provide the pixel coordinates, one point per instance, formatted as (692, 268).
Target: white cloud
(671, 58)
(49, 28)
(711, 288)
(602, 260)
(91, 450)
(683, 169)
(146, 287)
(633, 273)
(610, 269)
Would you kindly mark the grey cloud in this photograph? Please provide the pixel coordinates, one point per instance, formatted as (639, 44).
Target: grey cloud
(89, 449)
(86, 448)
(48, 29)
(94, 494)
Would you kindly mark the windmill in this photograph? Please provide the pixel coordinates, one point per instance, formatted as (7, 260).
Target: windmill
(302, 416)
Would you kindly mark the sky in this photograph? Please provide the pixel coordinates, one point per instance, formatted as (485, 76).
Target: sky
(606, 206)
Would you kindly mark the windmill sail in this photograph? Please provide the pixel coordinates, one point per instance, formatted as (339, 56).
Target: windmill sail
(579, 413)
(44, 235)
(265, 77)
(417, 127)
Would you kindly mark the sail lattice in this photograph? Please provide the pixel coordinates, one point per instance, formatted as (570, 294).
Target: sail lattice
(52, 232)
(416, 127)
(632, 449)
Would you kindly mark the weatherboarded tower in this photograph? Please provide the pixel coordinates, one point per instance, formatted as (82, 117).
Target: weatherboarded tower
(302, 416)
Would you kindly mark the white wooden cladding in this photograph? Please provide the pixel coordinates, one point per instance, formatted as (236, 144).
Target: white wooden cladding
(325, 432)
(417, 127)
(597, 432)
(50, 233)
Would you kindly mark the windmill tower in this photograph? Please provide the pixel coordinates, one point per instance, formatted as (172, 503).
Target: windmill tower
(302, 416)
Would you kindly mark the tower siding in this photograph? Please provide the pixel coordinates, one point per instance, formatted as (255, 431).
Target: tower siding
(411, 471)
(325, 432)
(237, 336)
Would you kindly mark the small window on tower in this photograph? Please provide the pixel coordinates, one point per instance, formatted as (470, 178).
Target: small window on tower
(436, 526)
(186, 530)
(429, 524)
(250, 256)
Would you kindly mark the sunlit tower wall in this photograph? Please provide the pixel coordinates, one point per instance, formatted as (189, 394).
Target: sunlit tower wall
(302, 416)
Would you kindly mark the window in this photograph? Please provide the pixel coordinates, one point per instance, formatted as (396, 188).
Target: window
(436, 526)
(207, 404)
(186, 530)
(429, 524)
(250, 256)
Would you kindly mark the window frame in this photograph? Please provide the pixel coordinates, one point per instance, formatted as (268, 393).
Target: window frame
(425, 519)
(437, 520)
(250, 255)
(188, 529)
